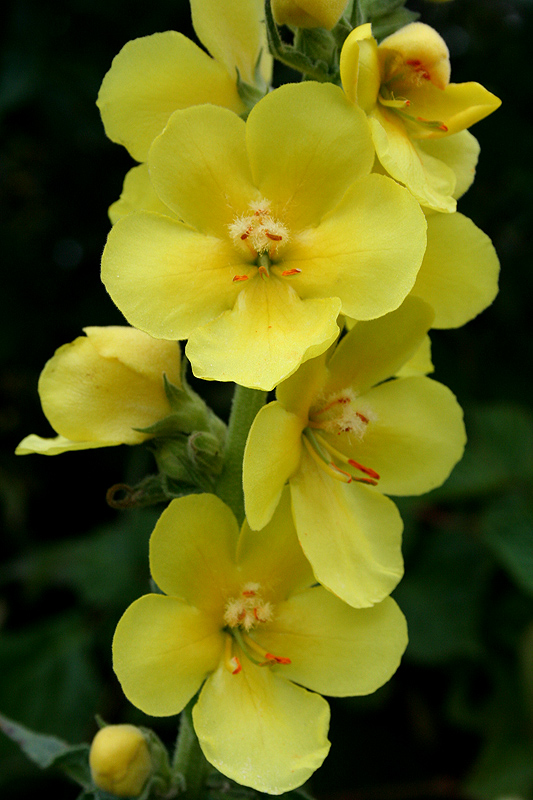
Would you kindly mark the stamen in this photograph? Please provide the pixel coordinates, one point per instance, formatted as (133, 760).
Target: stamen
(269, 657)
(328, 466)
(240, 278)
(231, 662)
(294, 271)
(341, 457)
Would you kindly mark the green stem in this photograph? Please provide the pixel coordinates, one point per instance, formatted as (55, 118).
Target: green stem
(189, 761)
(246, 404)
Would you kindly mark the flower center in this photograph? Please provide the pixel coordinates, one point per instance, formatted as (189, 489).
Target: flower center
(241, 615)
(398, 76)
(340, 413)
(262, 236)
(259, 231)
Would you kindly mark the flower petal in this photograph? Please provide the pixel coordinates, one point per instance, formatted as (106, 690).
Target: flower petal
(98, 389)
(199, 168)
(265, 337)
(271, 456)
(335, 649)
(367, 251)
(375, 350)
(153, 76)
(420, 363)
(459, 274)
(458, 106)
(431, 181)
(416, 439)
(349, 525)
(306, 175)
(162, 652)
(260, 729)
(275, 554)
(192, 551)
(460, 152)
(138, 194)
(55, 446)
(359, 67)
(166, 278)
(234, 33)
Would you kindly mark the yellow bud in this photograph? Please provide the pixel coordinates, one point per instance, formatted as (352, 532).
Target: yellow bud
(308, 13)
(120, 760)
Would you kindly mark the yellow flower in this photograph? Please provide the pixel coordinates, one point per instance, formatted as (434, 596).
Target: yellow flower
(268, 237)
(97, 389)
(243, 619)
(308, 13)
(343, 435)
(120, 760)
(153, 76)
(403, 86)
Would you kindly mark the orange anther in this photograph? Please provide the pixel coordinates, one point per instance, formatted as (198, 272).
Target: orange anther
(362, 417)
(443, 127)
(263, 270)
(293, 271)
(277, 659)
(237, 664)
(240, 278)
(274, 236)
(248, 593)
(367, 470)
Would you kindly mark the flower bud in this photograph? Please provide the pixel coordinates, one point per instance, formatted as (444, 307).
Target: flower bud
(308, 13)
(120, 760)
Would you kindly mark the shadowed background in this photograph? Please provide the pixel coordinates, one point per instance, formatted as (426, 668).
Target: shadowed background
(456, 720)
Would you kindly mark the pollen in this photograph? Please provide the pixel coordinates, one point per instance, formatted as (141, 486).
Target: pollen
(248, 609)
(342, 412)
(259, 231)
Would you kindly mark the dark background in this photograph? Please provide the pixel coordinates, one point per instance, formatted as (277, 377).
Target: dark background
(456, 720)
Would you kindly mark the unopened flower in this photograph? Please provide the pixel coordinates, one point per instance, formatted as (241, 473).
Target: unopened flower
(97, 389)
(120, 760)
(268, 236)
(403, 86)
(243, 621)
(308, 13)
(153, 76)
(344, 433)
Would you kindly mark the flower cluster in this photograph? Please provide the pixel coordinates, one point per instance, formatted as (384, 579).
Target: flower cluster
(305, 239)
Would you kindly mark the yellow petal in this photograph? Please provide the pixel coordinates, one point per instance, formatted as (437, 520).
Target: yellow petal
(199, 168)
(273, 556)
(265, 337)
(234, 33)
(421, 43)
(138, 194)
(359, 67)
(162, 652)
(373, 351)
(460, 152)
(335, 649)
(431, 181)
(459, 106)
(305, 175)
(271, 456)
(297, 393)
(308, 13)
(153, 76)
(367, 251)
(192, 551)
(459, 274)
(416, 439)
(167, 278)
(261, 730)
(53, 447)
(101, 386)
(349, 525)
(420, 363)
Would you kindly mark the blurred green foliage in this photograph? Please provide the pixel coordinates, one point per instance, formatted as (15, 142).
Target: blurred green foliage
(457, 719)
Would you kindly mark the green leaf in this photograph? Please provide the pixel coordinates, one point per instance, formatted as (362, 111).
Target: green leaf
(47, 751)
(507, 529)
